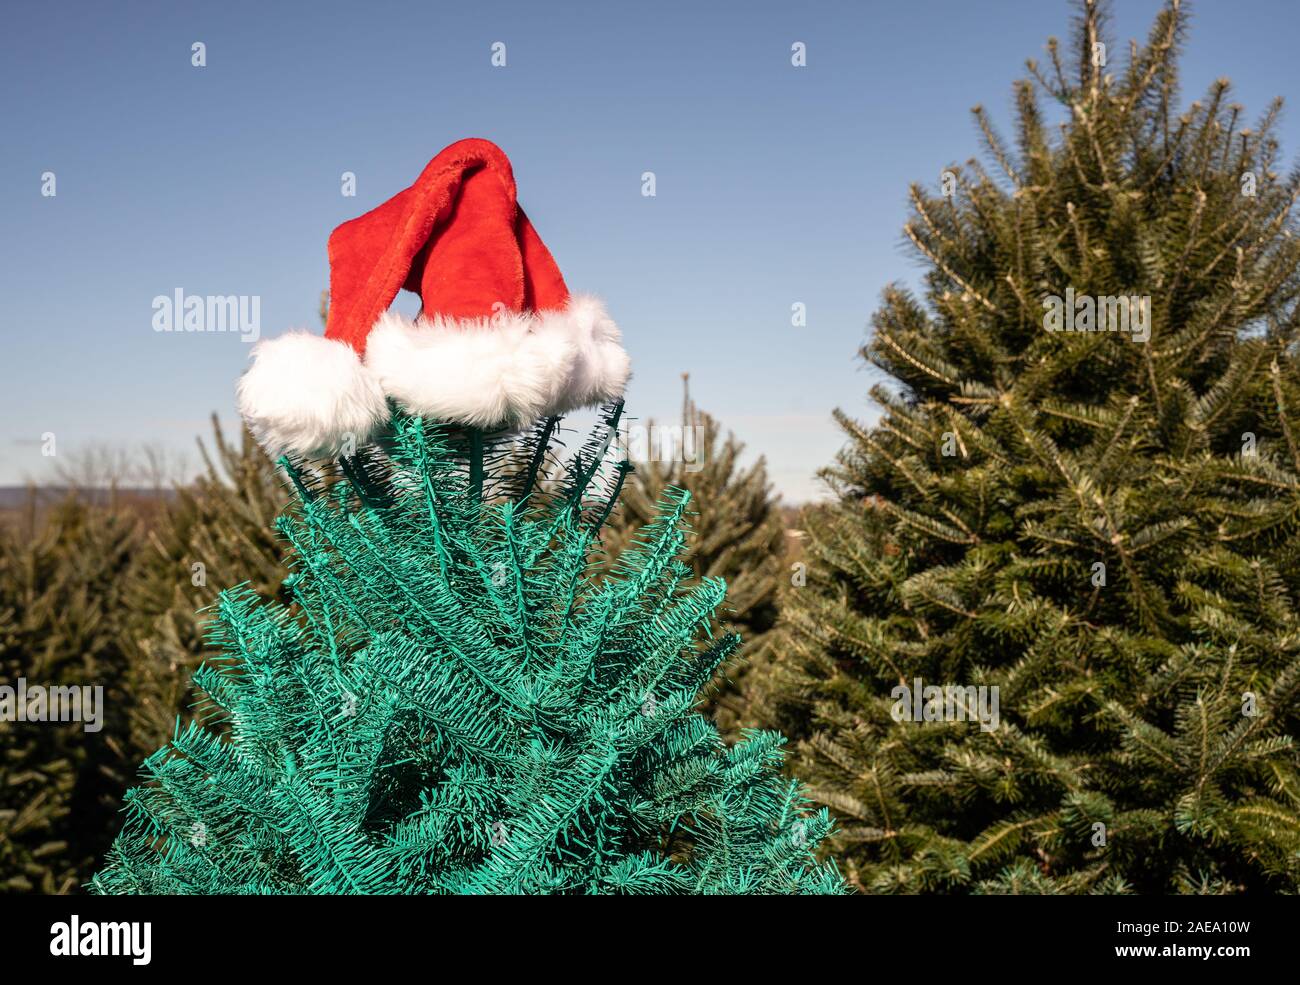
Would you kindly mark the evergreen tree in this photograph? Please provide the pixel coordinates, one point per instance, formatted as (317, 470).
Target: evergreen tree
(218, 530)
(454, 703)
(737, 534)
(1100, 525)
(62, 619)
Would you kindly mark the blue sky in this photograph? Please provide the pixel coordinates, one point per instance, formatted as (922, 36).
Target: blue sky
(775, 185)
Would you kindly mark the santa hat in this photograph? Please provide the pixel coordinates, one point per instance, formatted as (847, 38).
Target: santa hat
(499, 341)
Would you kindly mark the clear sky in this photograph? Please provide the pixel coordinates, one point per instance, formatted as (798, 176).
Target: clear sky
(774, 184)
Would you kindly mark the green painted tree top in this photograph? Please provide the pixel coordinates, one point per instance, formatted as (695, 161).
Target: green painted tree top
(454, 704)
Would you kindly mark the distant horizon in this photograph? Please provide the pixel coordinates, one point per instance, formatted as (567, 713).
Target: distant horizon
(776, 186)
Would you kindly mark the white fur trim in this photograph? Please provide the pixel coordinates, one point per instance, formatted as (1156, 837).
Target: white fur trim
(601, 367)
(502, 371)
(309, 395)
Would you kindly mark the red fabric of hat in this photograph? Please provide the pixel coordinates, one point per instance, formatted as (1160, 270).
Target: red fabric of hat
(456, 237)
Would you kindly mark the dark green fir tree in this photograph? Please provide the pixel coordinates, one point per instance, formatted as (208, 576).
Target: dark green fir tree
(454, 702)
(737, 533)
(63, 617)
(1083, 492)
(216, 531)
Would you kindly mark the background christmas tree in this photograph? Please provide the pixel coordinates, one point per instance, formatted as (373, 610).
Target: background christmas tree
(1101, 527)
(98, 586)
(218, 530)
(737, 533)
(63, 617)
(455, 703)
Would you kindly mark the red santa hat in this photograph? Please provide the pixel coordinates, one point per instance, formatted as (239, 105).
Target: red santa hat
(499, 341)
